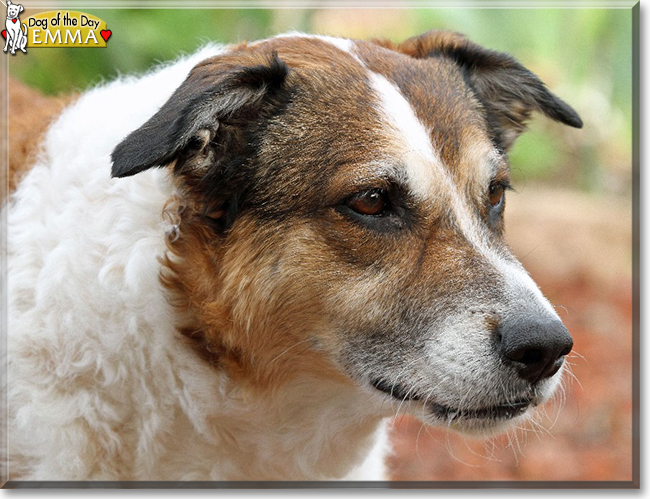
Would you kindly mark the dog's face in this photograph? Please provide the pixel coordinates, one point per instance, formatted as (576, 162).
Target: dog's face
(342, 211)
(13, 10)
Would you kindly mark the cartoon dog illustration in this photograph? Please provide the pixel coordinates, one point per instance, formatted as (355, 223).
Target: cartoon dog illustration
(16, 36)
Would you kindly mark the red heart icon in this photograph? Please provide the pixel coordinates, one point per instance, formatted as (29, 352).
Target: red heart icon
(4, 34)
(14, 20)
(106, 34)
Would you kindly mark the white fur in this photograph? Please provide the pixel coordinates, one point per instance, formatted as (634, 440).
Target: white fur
(412, 144)
(101, 386)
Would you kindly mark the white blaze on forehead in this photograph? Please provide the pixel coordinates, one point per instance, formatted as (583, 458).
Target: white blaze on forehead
(429, 180)
(414, 151)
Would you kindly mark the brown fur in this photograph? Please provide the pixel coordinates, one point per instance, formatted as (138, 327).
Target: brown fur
(446, 105)
(271, 278)
(30, 115)
(254, 336)
(238, 326)
(251, 300)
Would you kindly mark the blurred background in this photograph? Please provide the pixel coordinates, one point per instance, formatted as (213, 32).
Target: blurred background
(569, 219)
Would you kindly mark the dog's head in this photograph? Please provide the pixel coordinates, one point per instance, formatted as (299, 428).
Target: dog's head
(341, 212)
(13, 10)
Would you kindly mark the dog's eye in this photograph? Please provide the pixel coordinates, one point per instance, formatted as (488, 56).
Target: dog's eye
(373, 202)
(497, 192)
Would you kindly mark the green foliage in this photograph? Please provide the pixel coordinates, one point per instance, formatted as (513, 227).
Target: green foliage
(584, 55)
(140, 38)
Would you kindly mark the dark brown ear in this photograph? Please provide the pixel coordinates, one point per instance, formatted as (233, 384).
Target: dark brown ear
(507, 90)
(225, 88)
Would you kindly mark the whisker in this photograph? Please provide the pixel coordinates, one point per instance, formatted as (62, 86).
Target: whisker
(574, 353)
(563, 308)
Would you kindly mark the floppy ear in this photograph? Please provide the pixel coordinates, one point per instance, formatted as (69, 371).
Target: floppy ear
(21, 8)
(221, 88)
(507, 90)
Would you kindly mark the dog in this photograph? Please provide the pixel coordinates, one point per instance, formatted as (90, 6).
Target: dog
(258, 253)
(16, 36)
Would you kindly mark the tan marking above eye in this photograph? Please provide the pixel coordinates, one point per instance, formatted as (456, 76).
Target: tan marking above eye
(369, 203)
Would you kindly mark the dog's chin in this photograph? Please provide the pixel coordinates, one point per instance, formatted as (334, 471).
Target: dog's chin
(482, 421)
(486, 421)
(483, 426)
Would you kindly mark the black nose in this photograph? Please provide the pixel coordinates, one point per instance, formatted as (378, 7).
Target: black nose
(535, 347)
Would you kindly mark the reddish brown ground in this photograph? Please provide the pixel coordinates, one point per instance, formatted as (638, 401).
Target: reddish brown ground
(578, 249)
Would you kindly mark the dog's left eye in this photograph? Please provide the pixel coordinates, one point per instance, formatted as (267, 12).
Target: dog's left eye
(497, 194)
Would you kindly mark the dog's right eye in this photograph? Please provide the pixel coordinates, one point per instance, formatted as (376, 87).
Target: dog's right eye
(372, 203)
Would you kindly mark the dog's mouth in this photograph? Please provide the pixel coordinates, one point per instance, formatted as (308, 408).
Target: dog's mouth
(505, 411)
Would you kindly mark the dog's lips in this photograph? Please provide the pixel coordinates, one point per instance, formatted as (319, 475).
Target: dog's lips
(505, 411)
